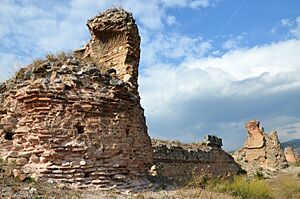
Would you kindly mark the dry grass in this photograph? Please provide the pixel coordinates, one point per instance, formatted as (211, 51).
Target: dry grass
(294, 164)
(285, 187)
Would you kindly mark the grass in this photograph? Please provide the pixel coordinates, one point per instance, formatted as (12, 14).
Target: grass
(286, 187)
(242, 187)
(39, 67)
(294, 164)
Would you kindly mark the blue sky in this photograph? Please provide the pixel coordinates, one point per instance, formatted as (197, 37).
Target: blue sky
(207, 66)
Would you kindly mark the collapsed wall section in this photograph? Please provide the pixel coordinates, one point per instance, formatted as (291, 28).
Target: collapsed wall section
(182, 161)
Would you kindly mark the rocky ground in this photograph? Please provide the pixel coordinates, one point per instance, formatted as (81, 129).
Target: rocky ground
(33, 191)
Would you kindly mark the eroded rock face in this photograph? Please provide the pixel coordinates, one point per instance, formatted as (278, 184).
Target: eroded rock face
(115, 44)
(291, 155)
(79, 121)
(260, 150)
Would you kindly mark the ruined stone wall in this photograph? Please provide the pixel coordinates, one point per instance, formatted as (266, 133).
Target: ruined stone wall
(72, 121)
(260, 150)
(178, 160)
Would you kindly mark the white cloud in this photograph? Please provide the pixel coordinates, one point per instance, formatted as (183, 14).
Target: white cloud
(233, 42)
(286, 22)
(160, 47)
(230, 44)
(171, 20)
(34, 28)
(190, 3)
(290, 25)
(250, 62)
(216, 92)
(229, 73)
(296, 29)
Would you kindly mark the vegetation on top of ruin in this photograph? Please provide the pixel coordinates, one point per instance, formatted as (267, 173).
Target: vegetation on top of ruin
(62, 62)
(39, 65)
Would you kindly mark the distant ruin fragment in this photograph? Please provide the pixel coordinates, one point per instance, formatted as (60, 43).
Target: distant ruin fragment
(212, 140)
(260, 150)
(78, 120)
(291, 155)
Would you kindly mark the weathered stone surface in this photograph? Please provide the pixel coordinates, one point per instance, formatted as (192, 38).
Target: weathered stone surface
(69, 120)
(115, 44)
(19, 174)
(291, 155)
(179, 160)
(255, 155)
(255, 135)
(260, 151)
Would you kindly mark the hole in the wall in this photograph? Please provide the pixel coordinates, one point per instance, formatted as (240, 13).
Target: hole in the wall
(127, 132)
(87, 174)
(130, 59)
(80, 129)
(8, 136)
(68, 88)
